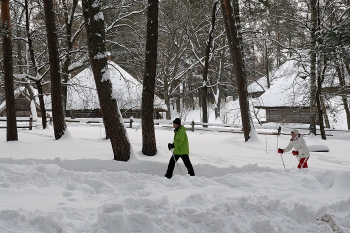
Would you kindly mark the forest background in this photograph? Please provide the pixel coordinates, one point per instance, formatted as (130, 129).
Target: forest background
(194, 55)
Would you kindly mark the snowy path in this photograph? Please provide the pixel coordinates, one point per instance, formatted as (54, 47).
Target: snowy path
(73, 185)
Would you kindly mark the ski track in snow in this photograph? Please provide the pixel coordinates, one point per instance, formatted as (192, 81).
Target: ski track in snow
(68, 194)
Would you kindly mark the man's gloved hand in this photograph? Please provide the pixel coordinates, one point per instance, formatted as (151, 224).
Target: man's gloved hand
(280, 151)
(294, 152)
(171, 146)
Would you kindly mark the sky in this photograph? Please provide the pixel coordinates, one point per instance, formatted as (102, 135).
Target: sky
(74, 185)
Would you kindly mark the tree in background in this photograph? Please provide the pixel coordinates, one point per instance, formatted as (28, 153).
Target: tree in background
(234, 35)
(37, 78)
(335, 38)
(70, 35)
(149, 146)
(313, 60)
(206, 65)
(8, 72)
(56, 93)
(112, 118)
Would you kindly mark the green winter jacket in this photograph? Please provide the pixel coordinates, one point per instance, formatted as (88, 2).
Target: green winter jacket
(181, 141)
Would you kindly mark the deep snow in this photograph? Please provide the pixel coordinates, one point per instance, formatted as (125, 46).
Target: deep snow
(74, 185)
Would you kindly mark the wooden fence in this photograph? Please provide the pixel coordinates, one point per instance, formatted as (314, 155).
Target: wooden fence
(22, 119)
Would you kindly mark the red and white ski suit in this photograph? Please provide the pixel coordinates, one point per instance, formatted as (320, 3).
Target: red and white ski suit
(298, 143)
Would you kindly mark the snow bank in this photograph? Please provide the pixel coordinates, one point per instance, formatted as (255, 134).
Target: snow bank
(73, 185)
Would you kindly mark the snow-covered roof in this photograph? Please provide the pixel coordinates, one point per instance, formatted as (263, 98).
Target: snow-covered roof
(286, 69)
(82, 93)
(34, 105)
(290, 87)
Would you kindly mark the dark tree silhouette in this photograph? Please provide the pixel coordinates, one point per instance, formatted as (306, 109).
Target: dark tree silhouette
(149, 146)
(8, 72)
(206, 66)
(59, 124)
(234, 36)
(112, 117)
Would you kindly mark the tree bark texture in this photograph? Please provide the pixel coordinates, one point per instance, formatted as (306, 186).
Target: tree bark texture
(32, 58)
(206, 66)
(112, 117)
(149, 146)
(59, 124)
(344, 98)
(8, 72)
(68, 22)
(320, 112)
(326, 119)
(232, 24)
(313, 56)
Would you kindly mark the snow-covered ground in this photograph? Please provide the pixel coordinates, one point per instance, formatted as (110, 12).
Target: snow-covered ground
(74, 185)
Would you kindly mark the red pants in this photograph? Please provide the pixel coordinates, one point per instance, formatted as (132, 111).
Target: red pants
(303, 163)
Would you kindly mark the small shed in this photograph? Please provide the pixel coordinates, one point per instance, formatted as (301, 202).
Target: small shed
(83, 100)
(25, 106)
(287, 99)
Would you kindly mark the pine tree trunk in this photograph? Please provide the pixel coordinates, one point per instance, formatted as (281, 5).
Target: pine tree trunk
(343, 96)
(149, 146)
(178, 96)
(325, 116)
(42, 103)
(112, 117)
(69, 46)
(320, 79)
(59, 124)
(8, 72)
(167, 98)
(32, 58)
(206, 67)
(313, 67)
(232, 24)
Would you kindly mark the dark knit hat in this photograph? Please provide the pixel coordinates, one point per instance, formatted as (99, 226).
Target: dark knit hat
(177, 121)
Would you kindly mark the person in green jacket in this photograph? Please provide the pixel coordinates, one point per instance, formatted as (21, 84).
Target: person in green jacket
(181, 149)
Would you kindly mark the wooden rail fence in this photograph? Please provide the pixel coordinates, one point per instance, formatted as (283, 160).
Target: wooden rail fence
(29, 120)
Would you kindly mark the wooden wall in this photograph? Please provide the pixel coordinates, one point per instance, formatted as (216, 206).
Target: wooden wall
(288, 115)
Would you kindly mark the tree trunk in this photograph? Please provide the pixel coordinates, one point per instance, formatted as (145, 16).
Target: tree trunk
(232, 23)
(32, 58)
(149, 146)
(320, 79)
(206, 66)
(313, 67)
(112, 118)
(8, 72)
(56, 93)
(69, 45)
(218, 88)
(167, 98)
(178, 95)
(267, 70)
(343, 96)
(325, 116)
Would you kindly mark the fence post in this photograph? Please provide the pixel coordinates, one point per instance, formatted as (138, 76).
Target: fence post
(192, 125)
(30, 123)
(131, 121)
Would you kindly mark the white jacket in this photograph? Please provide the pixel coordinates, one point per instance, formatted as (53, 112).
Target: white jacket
(299, 145)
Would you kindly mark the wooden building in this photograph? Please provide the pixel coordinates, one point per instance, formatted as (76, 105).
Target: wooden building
(97, 113)
(287, 98)
(83, 102)
(23, 104)
(288, 114)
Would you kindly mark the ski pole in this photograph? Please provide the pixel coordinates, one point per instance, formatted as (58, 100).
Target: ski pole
(282, 161)
(178, 166)
(280, 154)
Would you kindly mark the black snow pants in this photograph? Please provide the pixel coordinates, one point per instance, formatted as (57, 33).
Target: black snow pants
(172, 161)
